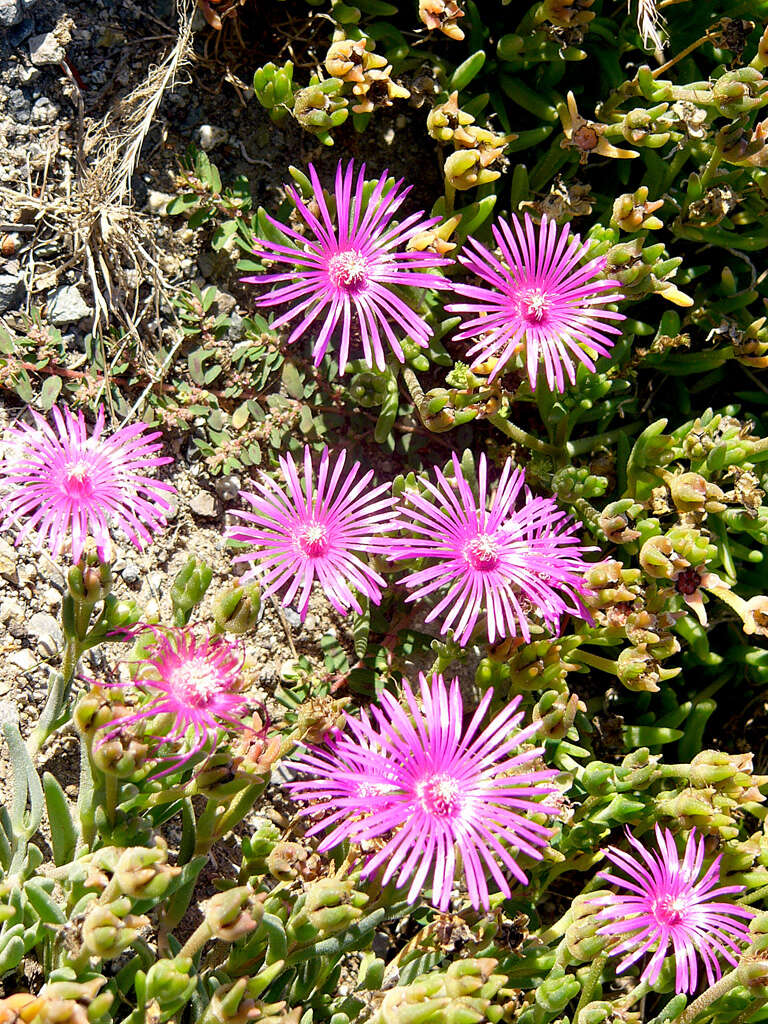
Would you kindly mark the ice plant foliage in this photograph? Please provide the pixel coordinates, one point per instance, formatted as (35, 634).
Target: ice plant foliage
(427, 786)
(538, 301)
(316, 531)
(194, 680)
(58, 479)
(666, 901)
(343, 271)
(495, 559)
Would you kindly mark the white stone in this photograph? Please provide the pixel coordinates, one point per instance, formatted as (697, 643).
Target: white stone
(24, 659)
(46, 49)
(209, 136)
(67, 306)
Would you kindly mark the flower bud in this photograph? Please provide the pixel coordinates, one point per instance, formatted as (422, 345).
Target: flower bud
(638, 670)
(581, 936)
(318, 717)
(233, 913)
(108, 930)
(461, 170)
(237, 609)
(557, 713)
(188, 589)
(554, 994)
(286, 861)
(752, 973)
(91, 579)
(636, 771)
(143, 873)
(168, 985)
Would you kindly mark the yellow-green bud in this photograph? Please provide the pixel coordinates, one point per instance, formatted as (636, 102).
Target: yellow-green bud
(237, 609)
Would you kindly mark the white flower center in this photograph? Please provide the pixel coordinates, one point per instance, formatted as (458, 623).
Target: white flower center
(77, 482)
(312, 539)
(348, 270)
(669, 910)
(439, 795)
(194, 682)
(482, 553)
(534, 305)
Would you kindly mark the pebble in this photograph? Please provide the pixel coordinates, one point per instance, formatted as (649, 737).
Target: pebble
(228, 487)
(236, 329)
(46, 629)
(293, 618)
(27, 574)
(24, 659)
(157, 201)
(8, 562)
(10, 609)
(52, 598)
(44, 111)
(203, 504)
(209, 136)
(66, 306)
(46, 49)
(19, 106)
(22, 31)
(10, 13)
(131, 574)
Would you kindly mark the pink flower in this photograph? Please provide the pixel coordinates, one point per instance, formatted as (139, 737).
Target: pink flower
(317, 531)
(504, 562)
(196, 682)
(57, 479)
(667, 900)
(540, 302)
(350, 271)
(431, 786)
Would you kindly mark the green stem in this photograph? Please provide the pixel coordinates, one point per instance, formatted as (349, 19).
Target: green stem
(112, 795)
(754, 897)
(57, 696)
(588, 444)
(520, 436)
(196, 940)
(86, 805)
(593, 977)
(705, 1000)
(595, 661)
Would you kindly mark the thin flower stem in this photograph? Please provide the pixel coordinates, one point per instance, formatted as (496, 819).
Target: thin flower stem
(683, 53)
(705, 1000)
(520, 436)
(112, 796)
(590, 984)
(584, 445)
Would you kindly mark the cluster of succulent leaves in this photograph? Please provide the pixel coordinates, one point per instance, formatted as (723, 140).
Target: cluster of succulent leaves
(660, 454)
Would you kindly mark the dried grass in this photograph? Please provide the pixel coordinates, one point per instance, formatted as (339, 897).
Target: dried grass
(92, 215)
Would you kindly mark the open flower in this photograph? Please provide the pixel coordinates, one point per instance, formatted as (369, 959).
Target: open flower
(195, 681)
(57, 479)
(666, 901)
(432, 787)
(348, 271)
(540, 303)
(499, 561)
(315, 532)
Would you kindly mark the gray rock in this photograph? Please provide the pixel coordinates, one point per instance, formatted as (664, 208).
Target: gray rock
(19, 106)
(11, 291)
(44, 111)
(66, 306)
(235, 332)
(10, 13)
(131, 574)
(45, 49)
(47, 631)
(228, 487)
(204, 504)
(24, 659)
(293, 618)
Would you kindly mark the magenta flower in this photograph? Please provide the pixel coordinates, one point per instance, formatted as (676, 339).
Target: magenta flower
(667, 900)
(431, 786)
(349, 271)
(57, 479)
(196, 682)
(504, 562)
(300, 534)
(540, 302)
